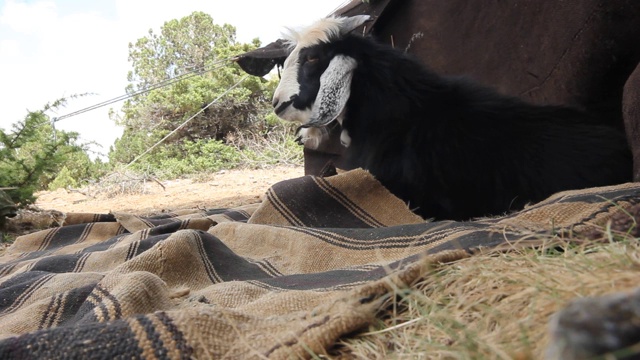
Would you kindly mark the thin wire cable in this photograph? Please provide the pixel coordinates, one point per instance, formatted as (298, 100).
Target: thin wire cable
(187, 121)
(218, 64)
(140, 92)
(343, 4)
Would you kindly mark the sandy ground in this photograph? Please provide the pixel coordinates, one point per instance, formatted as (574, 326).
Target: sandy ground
(227, 188)
(224, 189)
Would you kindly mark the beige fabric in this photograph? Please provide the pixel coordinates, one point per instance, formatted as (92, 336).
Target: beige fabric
(283, 279)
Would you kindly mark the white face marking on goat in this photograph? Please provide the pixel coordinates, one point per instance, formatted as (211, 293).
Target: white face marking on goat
(287, 99)
(287, 88)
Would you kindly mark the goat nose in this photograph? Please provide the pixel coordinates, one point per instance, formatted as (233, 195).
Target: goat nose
(276, 101)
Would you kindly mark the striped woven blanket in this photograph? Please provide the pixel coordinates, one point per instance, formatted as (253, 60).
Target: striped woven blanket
(282, 279)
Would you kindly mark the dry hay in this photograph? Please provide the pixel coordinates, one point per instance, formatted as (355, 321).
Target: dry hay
(496, 305)
(120, 183)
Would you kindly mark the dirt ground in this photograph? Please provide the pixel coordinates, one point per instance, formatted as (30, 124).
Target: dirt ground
(227, 188)
(224, 189)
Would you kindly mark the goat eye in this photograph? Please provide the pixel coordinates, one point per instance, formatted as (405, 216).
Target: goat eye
(311, 59)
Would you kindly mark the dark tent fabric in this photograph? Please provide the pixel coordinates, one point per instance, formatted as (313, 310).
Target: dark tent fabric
(631, 113)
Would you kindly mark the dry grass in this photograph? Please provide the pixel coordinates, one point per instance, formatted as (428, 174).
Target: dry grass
(495, 305)
(261, 151)
(120, 183)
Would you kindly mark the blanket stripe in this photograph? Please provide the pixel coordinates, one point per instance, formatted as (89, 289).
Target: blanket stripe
(281, 279)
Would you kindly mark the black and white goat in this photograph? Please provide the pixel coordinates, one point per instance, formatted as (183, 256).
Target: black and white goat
(450, 148)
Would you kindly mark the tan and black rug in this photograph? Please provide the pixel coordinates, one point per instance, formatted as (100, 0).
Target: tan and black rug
(282, 279)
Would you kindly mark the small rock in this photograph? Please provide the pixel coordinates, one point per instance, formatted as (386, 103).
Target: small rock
(594, 326)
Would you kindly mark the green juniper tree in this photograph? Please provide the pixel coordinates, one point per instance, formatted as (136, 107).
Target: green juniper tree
(191, 56)
(32, 152)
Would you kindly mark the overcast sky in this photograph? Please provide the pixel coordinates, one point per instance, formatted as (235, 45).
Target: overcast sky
(54, 48)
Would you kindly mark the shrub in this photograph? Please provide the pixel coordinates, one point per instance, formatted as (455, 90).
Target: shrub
(31, 154)
(63, 180)
(190, 157)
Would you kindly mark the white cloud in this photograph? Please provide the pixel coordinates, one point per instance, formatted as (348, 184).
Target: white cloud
(9, 48)
(28, 18)
(72, 54)
(47, 53)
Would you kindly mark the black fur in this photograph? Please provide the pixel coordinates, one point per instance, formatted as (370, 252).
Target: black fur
(456, 150)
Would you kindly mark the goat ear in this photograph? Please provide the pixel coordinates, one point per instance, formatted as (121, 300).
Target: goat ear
(335, 89)
(352, 22)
